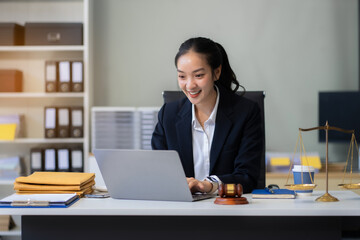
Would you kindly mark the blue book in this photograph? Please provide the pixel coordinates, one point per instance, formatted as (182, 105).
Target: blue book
(273, 194)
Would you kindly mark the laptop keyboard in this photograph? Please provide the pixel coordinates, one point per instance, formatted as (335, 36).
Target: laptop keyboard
(197, 197)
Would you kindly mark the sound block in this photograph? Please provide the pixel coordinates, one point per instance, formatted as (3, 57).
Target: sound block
(231, 201)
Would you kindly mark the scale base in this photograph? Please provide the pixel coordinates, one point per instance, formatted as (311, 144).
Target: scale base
(327, 198)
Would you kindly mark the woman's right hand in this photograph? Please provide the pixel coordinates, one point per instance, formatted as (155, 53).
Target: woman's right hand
(199, 186)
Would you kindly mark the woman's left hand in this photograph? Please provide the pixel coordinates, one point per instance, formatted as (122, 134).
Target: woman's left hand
(199, 186)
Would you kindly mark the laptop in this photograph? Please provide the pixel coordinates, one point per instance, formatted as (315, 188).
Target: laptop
(145, 175)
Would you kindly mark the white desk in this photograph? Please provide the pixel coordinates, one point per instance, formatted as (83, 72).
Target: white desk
(96, 218)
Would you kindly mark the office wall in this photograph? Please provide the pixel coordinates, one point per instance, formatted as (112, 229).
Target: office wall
(292, 49)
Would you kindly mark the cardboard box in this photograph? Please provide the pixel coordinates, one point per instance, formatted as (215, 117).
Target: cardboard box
(53, 33)
(11, 34)
(10, 80)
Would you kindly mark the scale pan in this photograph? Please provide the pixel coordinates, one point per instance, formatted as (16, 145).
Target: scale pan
(300, 186)
(350, 185)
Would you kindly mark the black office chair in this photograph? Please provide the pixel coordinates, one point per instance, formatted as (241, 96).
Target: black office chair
(256, 96)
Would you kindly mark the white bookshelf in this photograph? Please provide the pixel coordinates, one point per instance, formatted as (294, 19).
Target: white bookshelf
(31, 61)
(41, 95)
(41, 48)
(16, 231)
(42, 140)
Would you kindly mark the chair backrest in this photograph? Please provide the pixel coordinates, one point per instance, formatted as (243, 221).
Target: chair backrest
(256, 96)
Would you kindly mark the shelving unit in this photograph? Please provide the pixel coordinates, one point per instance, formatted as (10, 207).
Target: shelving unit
(31, 61)
(41, 95)
(43, 140)
(16, 231)
(40, 48)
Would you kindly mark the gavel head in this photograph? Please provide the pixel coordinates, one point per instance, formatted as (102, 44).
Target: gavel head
(230, 190)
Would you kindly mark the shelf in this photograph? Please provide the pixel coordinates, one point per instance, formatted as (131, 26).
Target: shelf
(31, 102)
(41, 95)
(43, 140)
(6, 182)
(69, 48)
(16, 231)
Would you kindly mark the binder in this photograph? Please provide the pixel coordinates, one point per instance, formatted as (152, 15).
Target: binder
(50, 162)
(77, 76)
(77, 122)
(64, 76)
(18, 119)
(77, 161)
(51, 76)
(50, 122)
(63, 156)
(36, 160)
(63, 128)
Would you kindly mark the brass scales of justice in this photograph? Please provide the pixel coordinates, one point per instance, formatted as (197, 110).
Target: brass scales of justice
(326, 197)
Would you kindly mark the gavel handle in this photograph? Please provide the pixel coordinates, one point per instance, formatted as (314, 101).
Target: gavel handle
(221, 190)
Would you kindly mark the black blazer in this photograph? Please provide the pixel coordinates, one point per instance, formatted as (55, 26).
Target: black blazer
(235, 153)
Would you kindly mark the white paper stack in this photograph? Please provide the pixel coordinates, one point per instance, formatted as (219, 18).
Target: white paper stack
(10, 168)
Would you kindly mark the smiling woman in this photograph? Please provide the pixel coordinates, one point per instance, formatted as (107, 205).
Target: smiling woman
(216, 132)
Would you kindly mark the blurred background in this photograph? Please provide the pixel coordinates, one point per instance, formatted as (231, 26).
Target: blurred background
(290, 49)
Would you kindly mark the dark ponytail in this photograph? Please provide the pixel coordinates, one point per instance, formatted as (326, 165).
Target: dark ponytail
(215, 55)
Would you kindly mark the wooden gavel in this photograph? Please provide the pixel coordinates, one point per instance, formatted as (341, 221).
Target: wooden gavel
(230, 194)
(230, 190)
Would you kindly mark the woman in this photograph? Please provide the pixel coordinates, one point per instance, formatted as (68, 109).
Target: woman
(217, 133)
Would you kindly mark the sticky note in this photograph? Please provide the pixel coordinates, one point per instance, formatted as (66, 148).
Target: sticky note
(311, 161)
(279, 161)
(7, 131)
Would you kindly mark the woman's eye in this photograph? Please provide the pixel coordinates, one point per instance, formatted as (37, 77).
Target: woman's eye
(181, 77)
(199, 75)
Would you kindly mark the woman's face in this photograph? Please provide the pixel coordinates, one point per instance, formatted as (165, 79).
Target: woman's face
(196, 79)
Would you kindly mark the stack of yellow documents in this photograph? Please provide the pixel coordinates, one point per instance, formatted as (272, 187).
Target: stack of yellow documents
(55, 182)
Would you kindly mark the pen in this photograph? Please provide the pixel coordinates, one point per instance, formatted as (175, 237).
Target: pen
(269, 190)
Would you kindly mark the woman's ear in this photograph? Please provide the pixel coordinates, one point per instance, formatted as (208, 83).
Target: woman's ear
(217, 73)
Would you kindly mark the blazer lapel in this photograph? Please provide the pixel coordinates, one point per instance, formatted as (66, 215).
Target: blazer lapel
(183, 130)
(222, 128)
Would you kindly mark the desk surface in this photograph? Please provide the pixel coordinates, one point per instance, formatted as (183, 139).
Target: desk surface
(349, 205)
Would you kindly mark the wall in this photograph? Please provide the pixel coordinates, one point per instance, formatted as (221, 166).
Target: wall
(291, 49)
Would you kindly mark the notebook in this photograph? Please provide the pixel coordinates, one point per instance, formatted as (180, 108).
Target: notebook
(145, 175)
(273, 194)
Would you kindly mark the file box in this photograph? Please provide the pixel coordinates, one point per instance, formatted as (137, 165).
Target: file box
(53, 33)
(10, 80)
(11, 34)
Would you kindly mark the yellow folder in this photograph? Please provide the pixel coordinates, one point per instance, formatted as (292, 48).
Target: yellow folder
(7, 131)
(311, 161)
(279, 161)
(43, 187)
(57, 178)
(80, 193)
